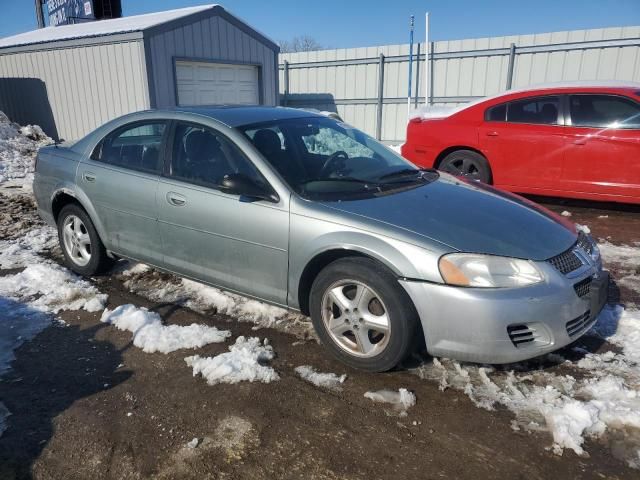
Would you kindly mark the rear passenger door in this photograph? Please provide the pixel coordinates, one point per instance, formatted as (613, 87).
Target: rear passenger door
(525, 140)
(224, 239)
(120, 177)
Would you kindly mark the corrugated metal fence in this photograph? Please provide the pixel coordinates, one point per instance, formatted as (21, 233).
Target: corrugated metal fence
(368, 86)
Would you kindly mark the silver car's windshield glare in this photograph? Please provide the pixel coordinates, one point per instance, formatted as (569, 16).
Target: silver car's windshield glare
(323, 159)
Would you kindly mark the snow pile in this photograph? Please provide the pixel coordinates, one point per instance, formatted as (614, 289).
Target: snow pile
(18, 148)
(50, 288)
(566, 213)
(151, 335)
(627, 260)
(326, 380)
(23, 251)
(402, 400)
(143, 280)
(243, 362)
(601, 399)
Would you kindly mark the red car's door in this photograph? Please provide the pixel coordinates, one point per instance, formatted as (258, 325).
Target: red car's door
(525, 149)
(603, 150)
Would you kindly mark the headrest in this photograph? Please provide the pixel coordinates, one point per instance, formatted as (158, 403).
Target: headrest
(267, 142)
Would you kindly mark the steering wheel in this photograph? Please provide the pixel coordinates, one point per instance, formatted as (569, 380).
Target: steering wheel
(335, 157)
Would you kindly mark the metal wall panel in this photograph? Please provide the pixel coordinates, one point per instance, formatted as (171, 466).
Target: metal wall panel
(461, 68)
(210, 39)
(71, 91)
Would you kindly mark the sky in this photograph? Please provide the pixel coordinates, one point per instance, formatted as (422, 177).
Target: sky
(359, 23)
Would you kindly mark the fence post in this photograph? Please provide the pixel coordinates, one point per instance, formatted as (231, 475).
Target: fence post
(512, 60)
(380, 97)
(286, 83)
(415, 102)
(430, 58)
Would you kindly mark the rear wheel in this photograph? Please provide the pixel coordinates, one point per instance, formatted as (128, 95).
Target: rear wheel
(362, 314)
(468, 164)
(82, 248)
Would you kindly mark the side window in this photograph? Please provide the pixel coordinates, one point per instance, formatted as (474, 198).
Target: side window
(497, 113)
(136, 146)
(201, 155)
(540, 110)
(603, 111)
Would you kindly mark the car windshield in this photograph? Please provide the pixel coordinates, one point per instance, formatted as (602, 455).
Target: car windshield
(324, 159)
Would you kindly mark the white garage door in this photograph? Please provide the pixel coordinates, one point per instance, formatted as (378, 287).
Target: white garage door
(203, 83)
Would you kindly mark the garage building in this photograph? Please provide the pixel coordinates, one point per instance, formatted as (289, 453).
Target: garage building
(73, 78)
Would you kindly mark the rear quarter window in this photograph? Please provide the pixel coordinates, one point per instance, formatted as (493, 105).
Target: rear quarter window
(497, 113)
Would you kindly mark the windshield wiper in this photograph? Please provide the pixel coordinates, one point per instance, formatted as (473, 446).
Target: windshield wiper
(367, 184)
(412, 174)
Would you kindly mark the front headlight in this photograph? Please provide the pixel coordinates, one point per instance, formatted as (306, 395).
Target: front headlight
(474, 270)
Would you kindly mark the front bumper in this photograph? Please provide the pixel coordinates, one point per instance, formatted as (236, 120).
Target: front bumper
(474, 324)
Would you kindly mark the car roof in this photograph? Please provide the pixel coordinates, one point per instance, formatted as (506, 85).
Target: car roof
(549, 88)
(237, 116)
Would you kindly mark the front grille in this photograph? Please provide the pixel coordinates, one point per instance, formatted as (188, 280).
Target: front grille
(576, 325)
(585, 243)
(520, 334)
(583, 287)
(566, 262)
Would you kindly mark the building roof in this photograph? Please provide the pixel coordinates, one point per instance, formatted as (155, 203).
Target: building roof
(136, 23)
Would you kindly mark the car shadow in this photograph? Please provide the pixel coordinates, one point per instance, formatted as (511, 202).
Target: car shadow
(591, 204)
(61, 365)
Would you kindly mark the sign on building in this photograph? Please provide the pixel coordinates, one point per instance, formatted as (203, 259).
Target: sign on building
(63, 12)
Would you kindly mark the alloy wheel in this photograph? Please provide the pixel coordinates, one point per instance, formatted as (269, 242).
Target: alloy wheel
(77, 242)
(356, 318)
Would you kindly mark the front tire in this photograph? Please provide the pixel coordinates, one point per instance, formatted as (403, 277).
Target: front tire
(468, 164)
(362, 314)
(83, 250)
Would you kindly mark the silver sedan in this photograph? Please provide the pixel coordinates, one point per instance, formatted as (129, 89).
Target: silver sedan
(306, 212)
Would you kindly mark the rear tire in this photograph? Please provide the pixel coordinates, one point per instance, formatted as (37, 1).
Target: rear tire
(468, 164)
(362, 315)
(83, 250)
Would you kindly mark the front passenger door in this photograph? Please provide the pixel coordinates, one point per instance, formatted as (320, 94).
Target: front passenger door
(237, 243)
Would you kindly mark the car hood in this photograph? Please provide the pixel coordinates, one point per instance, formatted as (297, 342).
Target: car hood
(469, 217)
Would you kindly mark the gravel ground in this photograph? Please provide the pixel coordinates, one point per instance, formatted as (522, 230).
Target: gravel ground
(86, 403)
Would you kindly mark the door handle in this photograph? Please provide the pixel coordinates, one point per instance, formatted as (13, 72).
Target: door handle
(580, 141)
(89, 177)
(492, 134)
(176, 199)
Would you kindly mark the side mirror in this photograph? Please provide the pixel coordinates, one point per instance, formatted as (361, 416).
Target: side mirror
(244, 186)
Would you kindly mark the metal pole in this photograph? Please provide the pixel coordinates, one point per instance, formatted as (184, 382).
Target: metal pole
(427, 77)
(431, 72)
(410, 65)
(380, 97)
(512, 61)
(286, 84)
(415, 98)
(39, 14)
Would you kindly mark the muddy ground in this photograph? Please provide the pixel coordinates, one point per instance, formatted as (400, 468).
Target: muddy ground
(86, 403)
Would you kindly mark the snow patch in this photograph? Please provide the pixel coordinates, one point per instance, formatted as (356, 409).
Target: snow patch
(566, 213)
(151, 335)
(18, 148)
(24, 250)
(603, 395)
(326, 380)
(143, 280)
(402, 400)
(242, 363)
(51, 288)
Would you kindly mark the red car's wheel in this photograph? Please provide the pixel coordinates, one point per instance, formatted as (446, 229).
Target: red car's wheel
(467, 163)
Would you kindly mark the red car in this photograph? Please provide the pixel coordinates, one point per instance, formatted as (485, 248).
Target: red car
(578, 141)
